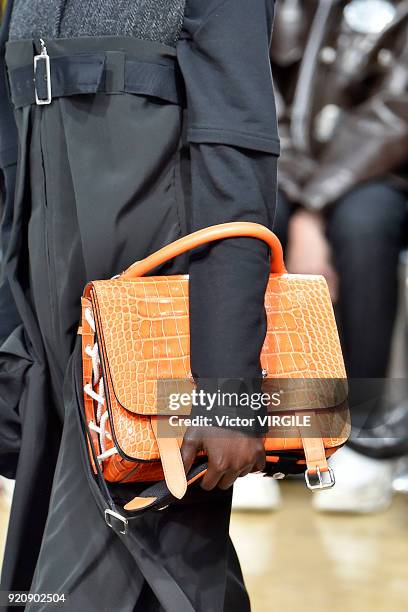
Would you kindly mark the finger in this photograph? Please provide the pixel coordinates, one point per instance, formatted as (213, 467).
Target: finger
(246, 471)
(212, 477)
(189, 450)
(228, 479)
(259, 465)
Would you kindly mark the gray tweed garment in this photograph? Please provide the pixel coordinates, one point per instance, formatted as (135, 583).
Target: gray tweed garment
(157, 20)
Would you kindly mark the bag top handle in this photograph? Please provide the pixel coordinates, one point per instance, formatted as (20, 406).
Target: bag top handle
(210, 234)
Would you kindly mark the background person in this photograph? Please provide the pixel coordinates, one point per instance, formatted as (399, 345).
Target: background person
(340, 73)
(343, 201)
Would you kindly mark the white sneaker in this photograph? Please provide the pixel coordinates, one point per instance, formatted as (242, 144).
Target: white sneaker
(363, 485)
(400, 482)
(255, 492)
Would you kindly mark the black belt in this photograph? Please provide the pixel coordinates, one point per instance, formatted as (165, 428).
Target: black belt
(111, 72)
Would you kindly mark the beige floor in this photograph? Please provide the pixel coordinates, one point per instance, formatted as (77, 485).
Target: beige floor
(295, 559)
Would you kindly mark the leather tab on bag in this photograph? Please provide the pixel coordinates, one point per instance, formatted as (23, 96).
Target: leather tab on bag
(315, 452)
(139, 503)
(172, 462)
(158, 496)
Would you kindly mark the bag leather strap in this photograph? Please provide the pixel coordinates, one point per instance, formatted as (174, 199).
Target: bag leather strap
(158, 577)
(316, 460)
(158, 496)
(238, 229)
(171, 460)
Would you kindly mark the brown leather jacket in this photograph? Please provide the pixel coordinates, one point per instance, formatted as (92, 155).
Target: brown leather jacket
(340, 70)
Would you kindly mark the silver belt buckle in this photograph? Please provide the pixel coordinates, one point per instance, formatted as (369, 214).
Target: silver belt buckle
(43, 57)
(321, 482)
(110, 513)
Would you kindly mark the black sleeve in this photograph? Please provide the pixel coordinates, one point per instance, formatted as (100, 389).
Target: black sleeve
(8, 129)
(223, 55)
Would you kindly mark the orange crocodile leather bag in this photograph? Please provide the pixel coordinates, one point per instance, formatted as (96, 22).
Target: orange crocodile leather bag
(135, 331)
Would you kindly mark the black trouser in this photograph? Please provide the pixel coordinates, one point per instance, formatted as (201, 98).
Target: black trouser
(366, 231)
(94, 193)
(9, 318)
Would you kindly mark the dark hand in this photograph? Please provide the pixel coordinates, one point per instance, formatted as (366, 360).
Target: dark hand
(230, 454)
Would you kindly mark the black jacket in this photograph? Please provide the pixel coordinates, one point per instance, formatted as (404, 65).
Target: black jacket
(8, 131)
(12, 373)
(8, 158)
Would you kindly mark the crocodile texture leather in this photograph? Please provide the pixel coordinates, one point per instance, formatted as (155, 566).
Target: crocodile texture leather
(145, 327)
(142, 329)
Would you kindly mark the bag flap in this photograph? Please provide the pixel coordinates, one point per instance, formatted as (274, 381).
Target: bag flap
(143, 332)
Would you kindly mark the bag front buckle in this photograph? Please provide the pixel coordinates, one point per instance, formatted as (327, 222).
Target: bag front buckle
(321, 483)
(109, 514)
(43, 57)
